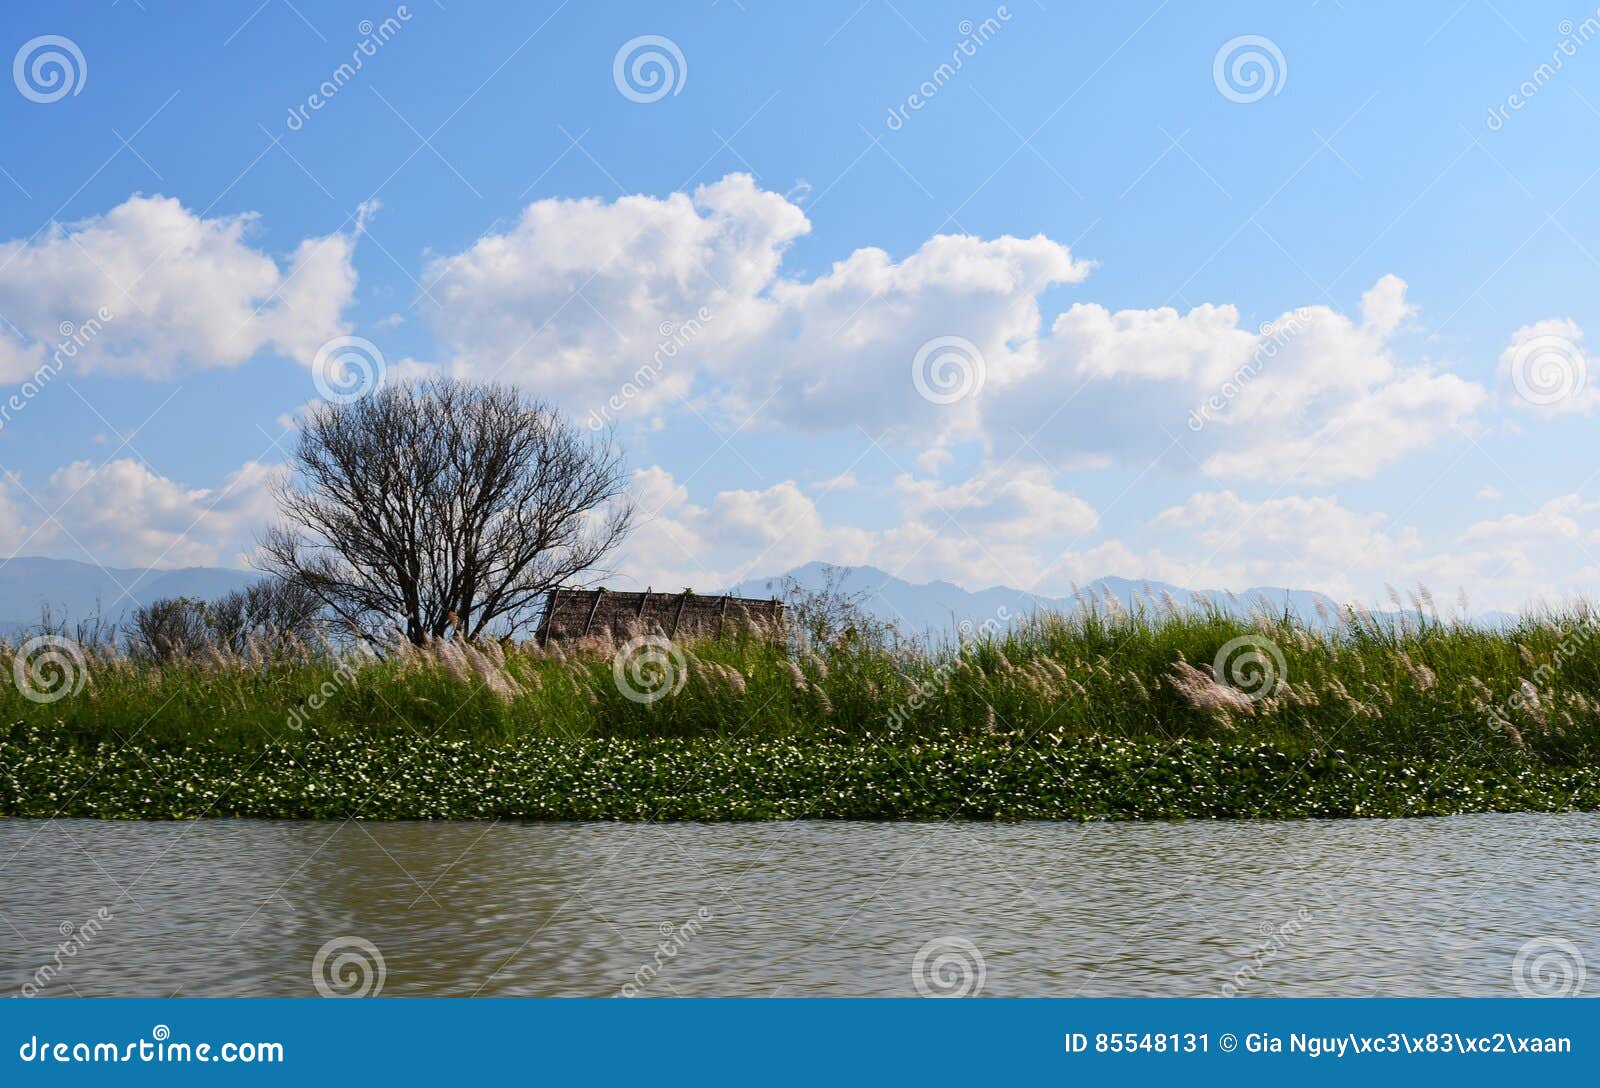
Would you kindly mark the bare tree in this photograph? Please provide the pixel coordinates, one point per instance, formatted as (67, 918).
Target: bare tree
(444, 506)
(277, 611)
(831, 612)
(168, 629)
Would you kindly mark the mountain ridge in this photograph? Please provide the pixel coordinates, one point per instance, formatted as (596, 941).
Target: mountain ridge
(74, 591)
(917, 607)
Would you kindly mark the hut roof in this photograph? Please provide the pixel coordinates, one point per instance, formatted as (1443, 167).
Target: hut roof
(574, 613)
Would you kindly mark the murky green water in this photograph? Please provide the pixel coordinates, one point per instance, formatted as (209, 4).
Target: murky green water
(1350, 908)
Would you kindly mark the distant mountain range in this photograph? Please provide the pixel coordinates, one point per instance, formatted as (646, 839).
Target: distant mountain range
(78, 591)
(941, 606)
(934, 607)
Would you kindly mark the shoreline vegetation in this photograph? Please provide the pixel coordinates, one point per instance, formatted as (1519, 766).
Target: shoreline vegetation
(1099, 715)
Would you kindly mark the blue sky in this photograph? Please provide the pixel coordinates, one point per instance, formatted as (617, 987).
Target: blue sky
(1095, 212)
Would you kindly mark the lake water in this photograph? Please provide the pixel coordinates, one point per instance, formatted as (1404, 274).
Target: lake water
(1344, 908)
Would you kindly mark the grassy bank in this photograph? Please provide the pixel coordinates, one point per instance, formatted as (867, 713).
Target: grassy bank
(1098, 716)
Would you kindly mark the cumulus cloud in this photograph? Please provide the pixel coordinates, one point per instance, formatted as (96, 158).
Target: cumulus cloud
(123, 513)
(580, 297)
(742, 533)
(1292, 540)
(1545, 370)
(986, 530)
(1313, 395)
(182, 291)
(1005, 501)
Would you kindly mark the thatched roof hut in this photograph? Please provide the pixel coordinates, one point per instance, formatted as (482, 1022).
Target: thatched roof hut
(576, 613)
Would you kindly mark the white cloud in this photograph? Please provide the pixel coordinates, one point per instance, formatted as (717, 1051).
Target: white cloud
(1557, 520)
(578, 298)
(1016, 499)
(742, 534)
(1000, 529)
(1312, 395)
(1298, 542)
(581, 294)
(1545, 370)
(1359, 436)
(182, 292)
(124, 514)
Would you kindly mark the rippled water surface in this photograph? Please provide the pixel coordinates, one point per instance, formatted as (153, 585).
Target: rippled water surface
(1349, 908)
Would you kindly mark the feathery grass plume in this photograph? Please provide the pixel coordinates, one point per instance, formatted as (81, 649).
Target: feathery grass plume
(796, 676)
(1202, 692)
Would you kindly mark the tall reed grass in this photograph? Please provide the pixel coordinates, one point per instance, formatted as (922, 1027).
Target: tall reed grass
(1411, 688)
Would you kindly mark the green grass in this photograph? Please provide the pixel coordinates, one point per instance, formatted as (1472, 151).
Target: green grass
(1083, 717)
